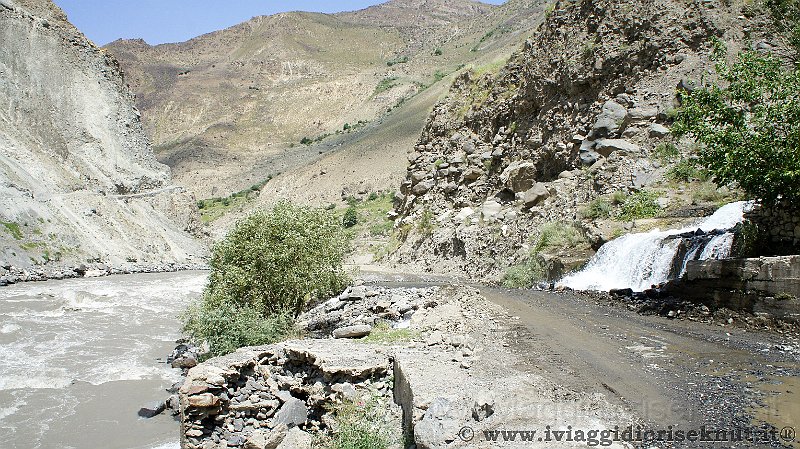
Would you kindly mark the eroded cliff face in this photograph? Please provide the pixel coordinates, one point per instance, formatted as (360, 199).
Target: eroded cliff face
(78, 179)
(574, 116)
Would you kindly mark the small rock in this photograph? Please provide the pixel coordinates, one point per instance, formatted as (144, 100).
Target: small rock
(152, 410)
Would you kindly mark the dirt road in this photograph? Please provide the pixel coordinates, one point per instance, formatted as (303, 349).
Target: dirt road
(669, 372)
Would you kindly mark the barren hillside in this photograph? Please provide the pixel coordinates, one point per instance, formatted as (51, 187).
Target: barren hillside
(78, 179)
(230, 108)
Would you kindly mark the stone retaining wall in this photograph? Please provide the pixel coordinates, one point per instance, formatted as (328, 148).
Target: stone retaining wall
(766, 285)
(779, 228)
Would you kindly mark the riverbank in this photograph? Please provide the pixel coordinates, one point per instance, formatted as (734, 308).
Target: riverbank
(10, 274)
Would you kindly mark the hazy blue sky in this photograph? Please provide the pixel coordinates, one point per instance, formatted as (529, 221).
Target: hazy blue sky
(159, 21)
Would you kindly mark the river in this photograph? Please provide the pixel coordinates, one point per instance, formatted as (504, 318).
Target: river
(80, 357)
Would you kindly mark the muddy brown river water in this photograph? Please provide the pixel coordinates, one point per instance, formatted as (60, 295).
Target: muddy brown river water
(80, 357)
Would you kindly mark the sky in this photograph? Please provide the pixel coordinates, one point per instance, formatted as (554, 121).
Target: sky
(161, 21)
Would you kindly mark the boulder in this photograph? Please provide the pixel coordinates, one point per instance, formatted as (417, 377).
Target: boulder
(152, 410)
(490, 210)
(297, 439)
(205, 400)
(293, 413)
(519, 176)
(422, 187)
(464, 214)
(535, 195)
(611, 121)
(472, 174)
(607, 146)
(589, 157)
(357, 293)
(357, 331)
(266, 439)
(658, 131)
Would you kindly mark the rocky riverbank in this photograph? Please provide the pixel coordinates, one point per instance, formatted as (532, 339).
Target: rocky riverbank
(10, 274)
(423, 364)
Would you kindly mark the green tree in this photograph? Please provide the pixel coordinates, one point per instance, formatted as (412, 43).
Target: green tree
(748, 127)
(265, 272)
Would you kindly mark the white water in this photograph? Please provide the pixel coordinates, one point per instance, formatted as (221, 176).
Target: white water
(639, 261)
(80, 357)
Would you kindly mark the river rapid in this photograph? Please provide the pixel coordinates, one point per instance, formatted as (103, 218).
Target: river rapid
(79, 357)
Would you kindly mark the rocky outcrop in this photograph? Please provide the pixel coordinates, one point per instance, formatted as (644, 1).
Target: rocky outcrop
(575, 114)
(78, 180)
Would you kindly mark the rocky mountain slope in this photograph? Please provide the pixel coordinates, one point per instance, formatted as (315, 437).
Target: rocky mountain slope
(573, 125)
(230, 108)
(78, 179)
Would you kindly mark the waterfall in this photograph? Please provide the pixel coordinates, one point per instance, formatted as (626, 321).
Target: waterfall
(639, 261)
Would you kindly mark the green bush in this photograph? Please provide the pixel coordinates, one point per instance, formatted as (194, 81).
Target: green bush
(227, 327)
(525, 275)
(641, 204)
(666, 152)
(558, 235)
(749, 130)
(264, 273)
(598, 208)
(350, 217)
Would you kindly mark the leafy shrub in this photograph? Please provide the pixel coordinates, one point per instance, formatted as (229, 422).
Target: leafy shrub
(684, 171)
(306, 141)
(666, 152)
(350, 217)
(558, 235)
(398, 60)
(227, 327)
(641, 204)
(749, 130)
(598, 208)
(265, 271)
(525, 275)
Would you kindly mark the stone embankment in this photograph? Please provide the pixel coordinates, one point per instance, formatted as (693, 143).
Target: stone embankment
(432, 362)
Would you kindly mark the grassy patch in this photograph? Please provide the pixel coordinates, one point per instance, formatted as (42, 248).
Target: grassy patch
(361, 424)
(386, 84)
(686, 170)
(558, 235)
(384, 334)
(666, 152)
(597, 209)
(641, 204)
(12, 229)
